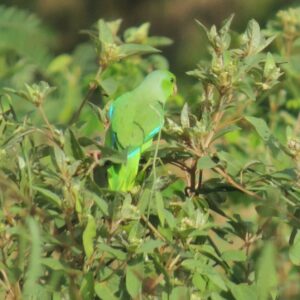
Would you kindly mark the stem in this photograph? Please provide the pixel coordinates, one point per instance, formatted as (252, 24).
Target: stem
(192, 176)
(92, 88)
(199, 182)
(154, 159)
(86, 98)
(217, 118)
(154, 230)
(173, 263)
(154, 173)
(235, 184)
(42, 112)
(152, 189)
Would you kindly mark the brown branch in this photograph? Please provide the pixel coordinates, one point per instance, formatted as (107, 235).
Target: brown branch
(199, 182)
(42, 112)
(217, 118)
(153, 229)
(76, 115)
(93, 86)
(235, 184)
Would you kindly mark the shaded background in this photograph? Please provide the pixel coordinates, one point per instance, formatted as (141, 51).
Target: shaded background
(172, 18)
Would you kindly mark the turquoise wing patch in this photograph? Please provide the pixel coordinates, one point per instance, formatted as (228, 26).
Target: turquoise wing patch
(110, 111)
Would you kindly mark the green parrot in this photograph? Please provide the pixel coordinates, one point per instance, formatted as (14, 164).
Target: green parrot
(135, 118)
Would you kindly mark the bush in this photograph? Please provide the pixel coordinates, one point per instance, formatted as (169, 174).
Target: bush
(215, 211)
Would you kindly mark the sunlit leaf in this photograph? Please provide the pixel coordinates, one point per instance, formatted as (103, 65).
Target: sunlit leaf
(88, 236)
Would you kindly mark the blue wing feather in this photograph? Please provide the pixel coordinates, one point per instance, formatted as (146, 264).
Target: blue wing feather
(133, 152)
(110, 111)
(153, 132)
(149, 136)
(138, 149)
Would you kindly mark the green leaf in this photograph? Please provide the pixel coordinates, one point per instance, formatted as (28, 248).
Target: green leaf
(179, 293)
(53, 198)
(159, 41)
(268, 210)
(225, 130)
(104, 291)
(269, 65)
(193, 264)
(159, 203)
(137, 35)
(87, 286)
(226, 24)
(52, 263)
(144, 200)
(34, 270)
(204, 28)
(265, 43)
(247, 88)
(133, 49)
(149, 246)
(75, 146)
(170, 219)
(88, 236)
(60, 158)
(114, 26)
(60, 63)
(113, 252)
(216, 296)
(129, 211)
(216, 279)
(265, 275)
(134, 279)
(100, 202)
(260, 126)
(205, 162)
(234, 255)
(254, 36)
(184, 117)
(199, 281)
(243, 291)
(110, 85)
(105, 33)
(294, 251)
(264, 132)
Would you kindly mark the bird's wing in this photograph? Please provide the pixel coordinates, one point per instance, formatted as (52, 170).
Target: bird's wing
(135, 121)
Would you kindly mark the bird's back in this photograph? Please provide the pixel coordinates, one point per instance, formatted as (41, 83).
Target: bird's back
(135, 118)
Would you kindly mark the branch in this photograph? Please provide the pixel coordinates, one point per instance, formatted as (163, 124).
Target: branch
(93, 86)
(76, 114)
(153, 229)
(231, 181)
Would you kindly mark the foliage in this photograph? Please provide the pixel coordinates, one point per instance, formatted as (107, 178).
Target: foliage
(215, 211)
(24, 41)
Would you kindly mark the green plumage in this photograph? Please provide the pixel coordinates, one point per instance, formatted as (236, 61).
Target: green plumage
(135, 118)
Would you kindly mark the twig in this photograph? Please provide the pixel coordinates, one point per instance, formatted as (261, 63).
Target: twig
(92, 88)
(235, 184)
(179, 165)
(199, 186)
(173, 263)
(154, 173)
(76, 115)
(217, 118)
(42, 112)
(154, 230)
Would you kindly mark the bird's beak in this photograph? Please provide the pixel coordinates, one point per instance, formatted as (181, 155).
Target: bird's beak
(174, 89)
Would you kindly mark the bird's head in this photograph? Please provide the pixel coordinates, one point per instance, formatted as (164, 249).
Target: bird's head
(163, 83)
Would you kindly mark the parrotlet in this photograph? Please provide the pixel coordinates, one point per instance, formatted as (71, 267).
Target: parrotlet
(135, 118)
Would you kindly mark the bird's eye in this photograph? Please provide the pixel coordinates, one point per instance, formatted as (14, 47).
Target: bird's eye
(172, 80)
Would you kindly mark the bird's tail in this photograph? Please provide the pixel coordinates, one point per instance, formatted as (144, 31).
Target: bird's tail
(121, 177)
